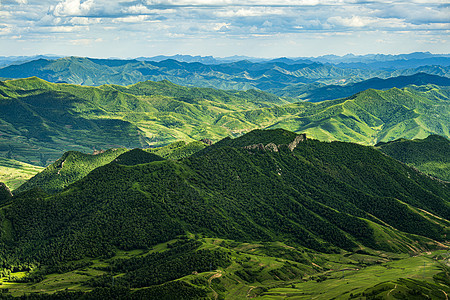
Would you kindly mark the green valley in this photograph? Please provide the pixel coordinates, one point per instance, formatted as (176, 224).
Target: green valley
(39, 121)
(14, 173)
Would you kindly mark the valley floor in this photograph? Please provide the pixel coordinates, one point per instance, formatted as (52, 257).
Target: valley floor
(273, 271)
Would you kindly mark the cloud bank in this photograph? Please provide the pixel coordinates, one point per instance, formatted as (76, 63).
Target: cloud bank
(222, 27)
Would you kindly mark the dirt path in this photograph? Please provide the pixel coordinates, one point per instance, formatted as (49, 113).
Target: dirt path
(217, 275)
(391, 291)
(249, 291)
(446, 296)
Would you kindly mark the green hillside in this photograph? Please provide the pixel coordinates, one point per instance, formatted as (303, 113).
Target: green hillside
(14, 173)
(179, 150)
(317, 93)
(39, 121)
(430, 155)
(367, 117)
(259, 209)
(72, 166)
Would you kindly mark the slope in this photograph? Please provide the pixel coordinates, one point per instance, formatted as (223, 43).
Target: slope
(369, 117)
(329, 92)
(40, 120)
(71, 167)
(14, 173)
(260, 215)
(324, 196)
(430, 155)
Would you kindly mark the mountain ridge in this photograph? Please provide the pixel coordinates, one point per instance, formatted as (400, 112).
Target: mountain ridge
(240, 75)
(254, 221)
(55, 118)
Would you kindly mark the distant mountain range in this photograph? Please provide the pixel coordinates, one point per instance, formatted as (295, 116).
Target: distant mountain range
(321, 92)
(275, 76)
(16, 60)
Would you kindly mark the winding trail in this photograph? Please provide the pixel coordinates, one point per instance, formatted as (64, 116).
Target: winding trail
(446, 296)
(249, 291)
(217, 275)
(391, 291)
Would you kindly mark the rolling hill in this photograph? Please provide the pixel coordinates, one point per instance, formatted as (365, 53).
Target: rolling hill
(330, 92)
(430, 155)
(262, 209)
(39, 121)
(74, 165)
(71, 167)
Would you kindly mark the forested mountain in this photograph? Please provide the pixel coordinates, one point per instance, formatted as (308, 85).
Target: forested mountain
(266, 205)
(72, 166)
(41, 120)
(317, 93)
(239, 75)
(430, 155)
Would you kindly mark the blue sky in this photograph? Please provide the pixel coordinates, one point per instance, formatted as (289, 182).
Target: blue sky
(259, 28)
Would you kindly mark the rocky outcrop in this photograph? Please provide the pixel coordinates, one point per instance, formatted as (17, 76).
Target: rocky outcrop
(274, 148)
(269, 147)
(97, 152)
(299, 138)
(206, 141)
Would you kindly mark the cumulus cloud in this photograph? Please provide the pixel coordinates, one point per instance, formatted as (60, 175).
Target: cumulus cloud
(84, 20)
(5, 29)
(177, 20)
(246, 3)
(85, 42)
(72, 8)
(14, 2)
(132, 19)
(354, 21)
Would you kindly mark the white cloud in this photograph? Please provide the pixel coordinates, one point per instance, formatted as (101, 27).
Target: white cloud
(131, 19)
(201, 20)
(14, 2)
(138, 9)
(84, 20)
(246, 3)
(354, 21)
(250, 12)
(64, 29)
(5, 29)
(221, 26)
(72, 8)
(369, 22)
(85, 42)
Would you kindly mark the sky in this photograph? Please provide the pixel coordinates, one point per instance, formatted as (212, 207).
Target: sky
(257, 28)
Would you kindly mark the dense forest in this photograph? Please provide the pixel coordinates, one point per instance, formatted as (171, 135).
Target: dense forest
(268, 186)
